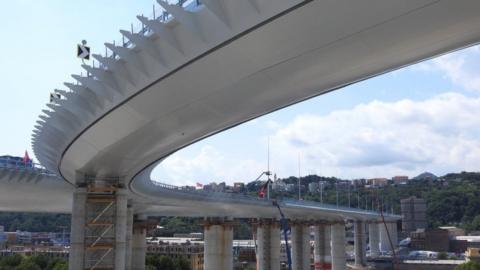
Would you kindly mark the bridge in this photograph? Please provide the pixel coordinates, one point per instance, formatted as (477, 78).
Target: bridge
(197, 69)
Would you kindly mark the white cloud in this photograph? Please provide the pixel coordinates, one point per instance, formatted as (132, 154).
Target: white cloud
(273, 125)
(206, 166)
(383, 139)
(460, 67)
(440, 134)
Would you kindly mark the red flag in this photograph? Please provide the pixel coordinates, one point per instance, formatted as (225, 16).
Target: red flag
(26, 158)
(263, 189)
(199, 185)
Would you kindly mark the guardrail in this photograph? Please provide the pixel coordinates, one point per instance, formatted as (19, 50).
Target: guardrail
(16, 164)
(329, 206)
(188, 190)
(158, 14)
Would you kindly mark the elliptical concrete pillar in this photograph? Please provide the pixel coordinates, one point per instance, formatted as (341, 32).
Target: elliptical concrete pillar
(268, 245)
(139, 243)
(388, 229)
(218, 244)
(393, 233)
(374, 237)
(301, 248)
(77, 234)
(121, 229)
(384, 242)
(339, 260)
(322, 249)
(360, 243)
(128, 257)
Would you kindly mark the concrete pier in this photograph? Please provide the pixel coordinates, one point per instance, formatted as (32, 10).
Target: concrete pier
(374, 238)
(218, 242)
(121, 229)
(268, 245)
(301, 248)
(339, 260)
(139, 243)
(360, 243)
(77, 234)
(386, 230)
(128, 257)
(322, 247)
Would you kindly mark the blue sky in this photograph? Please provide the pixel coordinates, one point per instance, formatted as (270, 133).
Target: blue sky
(420, 118)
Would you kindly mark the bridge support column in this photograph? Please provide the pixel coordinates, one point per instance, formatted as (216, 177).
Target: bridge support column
(385, 234)
(139, 243)
(301, 248)
(322, 250)
(373, 236)
(360, 243)
(268, 245)
(218, 244)
(77, 234)
(99, 224)
(339, 260)
(128, 257)
(121, 229)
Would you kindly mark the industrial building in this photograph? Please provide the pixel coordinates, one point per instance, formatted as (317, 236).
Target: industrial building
(413, 214)
(188, 248)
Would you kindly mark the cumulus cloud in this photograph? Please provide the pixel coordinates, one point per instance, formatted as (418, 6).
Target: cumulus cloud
(376, 139)
(460, 67)
(208, 165)
(384, 139)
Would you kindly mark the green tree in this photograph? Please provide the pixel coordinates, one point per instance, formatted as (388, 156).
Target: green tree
(472, 265)
(57, 264)
(442, 256)
(181, 263)
(28, 264)
(165, 263)
(41, 260)
(475, 225)
(10, 262)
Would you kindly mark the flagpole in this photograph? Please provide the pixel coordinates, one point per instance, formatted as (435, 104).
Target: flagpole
(299, 188)
(268, 169)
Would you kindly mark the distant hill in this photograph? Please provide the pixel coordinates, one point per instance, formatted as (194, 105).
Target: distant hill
(426, 176)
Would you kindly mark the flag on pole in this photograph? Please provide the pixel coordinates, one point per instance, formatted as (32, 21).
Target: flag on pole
(199, 185)
(26, 158)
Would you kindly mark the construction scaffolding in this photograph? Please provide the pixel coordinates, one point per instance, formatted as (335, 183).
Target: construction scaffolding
(101, 214)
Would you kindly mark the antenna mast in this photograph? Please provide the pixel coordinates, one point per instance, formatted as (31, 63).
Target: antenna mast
(299, 187)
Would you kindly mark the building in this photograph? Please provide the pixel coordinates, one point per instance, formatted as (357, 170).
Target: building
(359, 182)
(51, 252)
(290, 188)
(430, 239)
(238, 187)
(378, 182)
(279, 186)
(3, 238)
(313, 187)
(172, 247)
(400, 179)
(473, 254)
(461, 243)
(413, 214)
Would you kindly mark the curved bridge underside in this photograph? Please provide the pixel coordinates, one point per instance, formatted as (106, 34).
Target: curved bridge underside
(224, 63)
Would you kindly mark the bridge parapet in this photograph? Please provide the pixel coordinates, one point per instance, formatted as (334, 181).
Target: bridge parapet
(284, 201)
